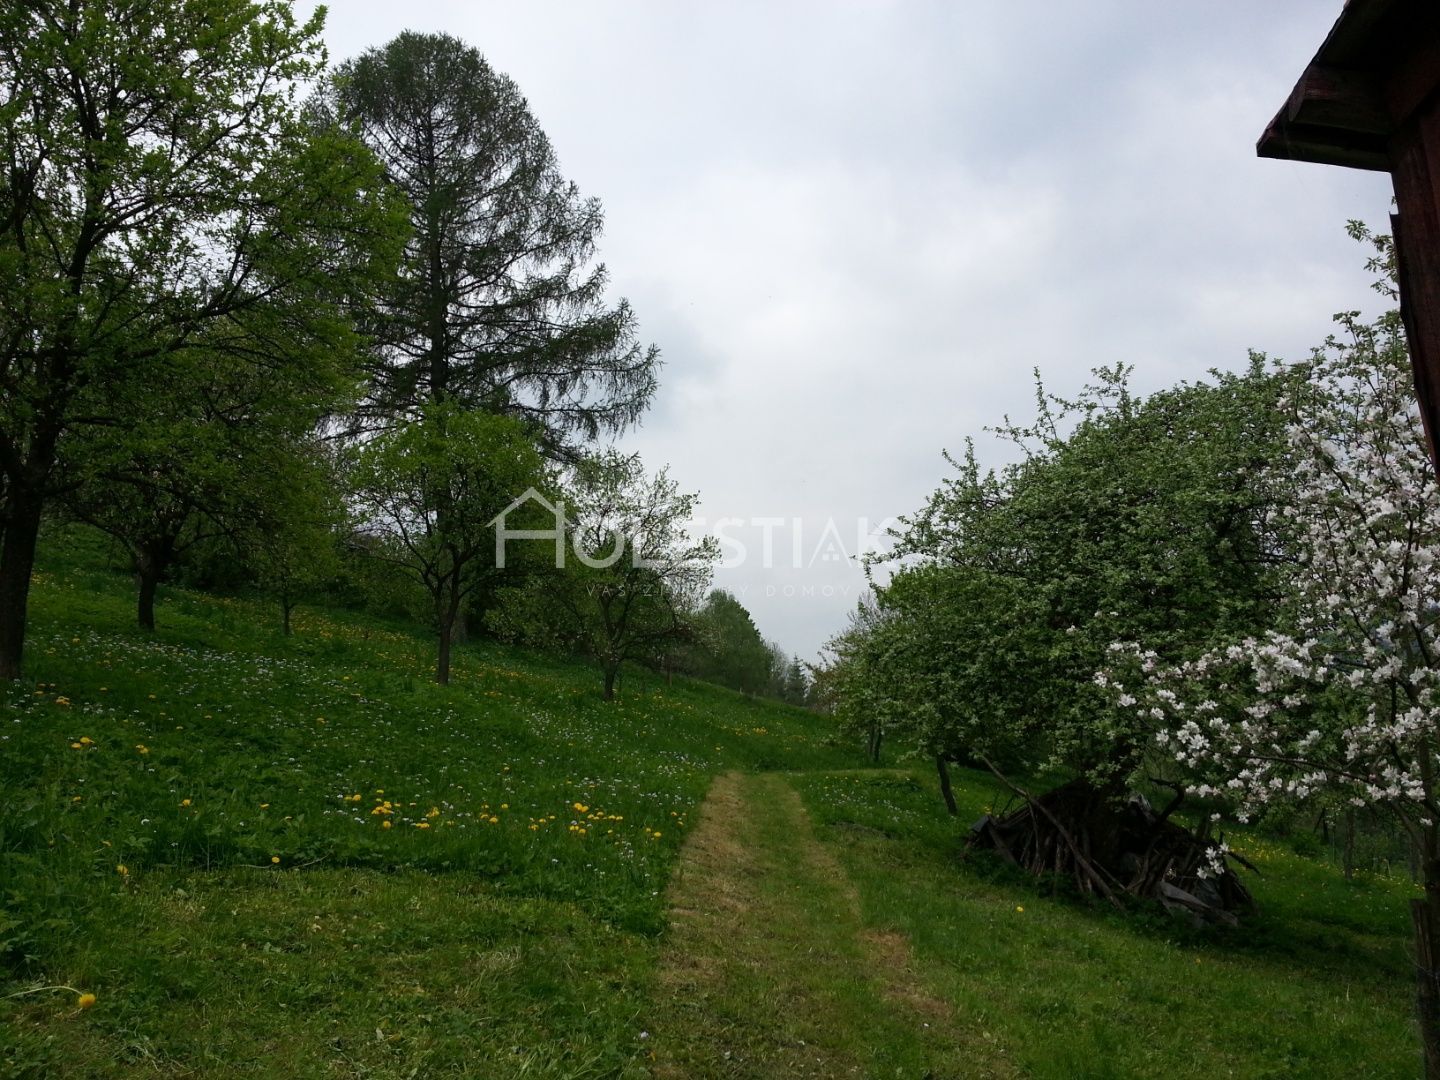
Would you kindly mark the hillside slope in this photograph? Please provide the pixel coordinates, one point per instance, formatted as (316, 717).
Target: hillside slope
(298, 857)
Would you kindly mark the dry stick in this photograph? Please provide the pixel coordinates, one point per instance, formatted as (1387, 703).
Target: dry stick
(39, 990)
(1174, 803)
(280, 866)
(1080, 859)
(1243, 862)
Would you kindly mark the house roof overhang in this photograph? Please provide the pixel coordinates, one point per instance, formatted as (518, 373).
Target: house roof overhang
(1379, 65)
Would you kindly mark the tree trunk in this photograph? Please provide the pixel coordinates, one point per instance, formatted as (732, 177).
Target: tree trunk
(447, 610)
(611, 670)
(946, 791)
(1425, 915)
(1349, 855)
(442, 661)
(17, 560)
(286, 606)
(148, 578)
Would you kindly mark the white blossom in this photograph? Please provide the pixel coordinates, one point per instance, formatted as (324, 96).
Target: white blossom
(1345, 698)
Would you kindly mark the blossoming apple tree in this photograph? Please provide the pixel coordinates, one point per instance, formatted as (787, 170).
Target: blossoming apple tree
(1343, 696)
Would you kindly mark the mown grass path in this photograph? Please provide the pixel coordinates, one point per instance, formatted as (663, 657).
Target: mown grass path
(769, 969)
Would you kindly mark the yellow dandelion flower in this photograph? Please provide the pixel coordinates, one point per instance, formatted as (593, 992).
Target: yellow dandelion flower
(184, 802)
(494, 820)
(385, 824)
(122, 870)
(85, 1001)
(274, 859)
(1019, 908)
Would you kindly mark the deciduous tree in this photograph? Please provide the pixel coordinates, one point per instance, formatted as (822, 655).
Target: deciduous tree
(427, 496)
(1342, 696)
(1141, 514)
(159, 195)
(223, 446)
(633, 577)
(728, 648)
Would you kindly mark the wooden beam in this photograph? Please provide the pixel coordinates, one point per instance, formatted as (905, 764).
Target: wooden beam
(1371, 100)
(1323, 145)
(1334, 116)
(1343, 98)
(1350, 42)
(1412, 78)
(1416, 228)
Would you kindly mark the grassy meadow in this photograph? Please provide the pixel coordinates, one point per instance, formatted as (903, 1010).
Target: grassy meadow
(1317, 983)
(298, 857)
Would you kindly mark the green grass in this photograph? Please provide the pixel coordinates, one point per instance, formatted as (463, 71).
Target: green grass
(1316, 984)
(770, 970)
(267, 923)
(529, 822)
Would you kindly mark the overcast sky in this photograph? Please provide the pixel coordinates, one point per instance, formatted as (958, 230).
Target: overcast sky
(854, 228)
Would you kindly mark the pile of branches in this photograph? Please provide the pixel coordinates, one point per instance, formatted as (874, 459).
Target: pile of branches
(1115, 848)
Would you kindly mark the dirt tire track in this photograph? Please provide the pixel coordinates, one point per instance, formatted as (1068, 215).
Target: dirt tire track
(769, 970)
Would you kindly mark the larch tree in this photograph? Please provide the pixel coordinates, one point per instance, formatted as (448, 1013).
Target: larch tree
(499, 305)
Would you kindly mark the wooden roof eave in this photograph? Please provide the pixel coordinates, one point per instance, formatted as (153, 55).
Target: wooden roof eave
(1366, 78)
